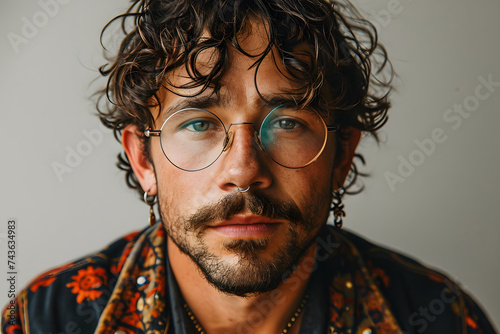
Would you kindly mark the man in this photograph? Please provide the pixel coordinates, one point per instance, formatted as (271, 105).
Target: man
(240, 119)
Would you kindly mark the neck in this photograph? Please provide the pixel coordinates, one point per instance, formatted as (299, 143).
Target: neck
(218, 312)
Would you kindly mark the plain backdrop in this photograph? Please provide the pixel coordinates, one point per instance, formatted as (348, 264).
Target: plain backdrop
(444, 211)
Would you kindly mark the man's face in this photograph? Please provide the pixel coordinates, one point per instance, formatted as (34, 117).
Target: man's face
(243, 242)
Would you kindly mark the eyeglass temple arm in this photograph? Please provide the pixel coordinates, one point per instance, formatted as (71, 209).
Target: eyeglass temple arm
(152, 133)
(331, 128)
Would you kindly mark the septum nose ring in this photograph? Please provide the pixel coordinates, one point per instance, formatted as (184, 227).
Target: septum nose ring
(243, 190)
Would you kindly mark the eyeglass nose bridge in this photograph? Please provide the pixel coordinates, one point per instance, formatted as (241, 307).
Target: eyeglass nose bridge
(230, 136)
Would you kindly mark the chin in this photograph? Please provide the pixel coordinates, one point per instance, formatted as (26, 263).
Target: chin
(249, 266)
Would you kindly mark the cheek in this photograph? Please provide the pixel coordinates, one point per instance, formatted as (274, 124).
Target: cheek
(170, 192)
(174, 191)
(317, 177)
(180, 193)
(311, 187)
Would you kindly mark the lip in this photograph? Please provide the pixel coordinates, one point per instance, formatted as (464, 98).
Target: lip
(246, 227)
(245, 220)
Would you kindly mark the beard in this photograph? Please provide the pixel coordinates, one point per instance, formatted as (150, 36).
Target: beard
(252, 273)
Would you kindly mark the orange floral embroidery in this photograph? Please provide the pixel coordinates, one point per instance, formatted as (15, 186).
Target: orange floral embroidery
(132, 316)
(42, 282)
(471, 322)
(159, 283)
(13, 329)
(47, 278)
(115, 269)
(337, 299)
(379, 273)
(435, 278)
(87, 282)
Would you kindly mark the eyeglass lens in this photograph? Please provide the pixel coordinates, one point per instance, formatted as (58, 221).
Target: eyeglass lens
(193, 139)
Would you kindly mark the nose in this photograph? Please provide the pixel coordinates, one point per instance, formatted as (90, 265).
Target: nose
(242, 163)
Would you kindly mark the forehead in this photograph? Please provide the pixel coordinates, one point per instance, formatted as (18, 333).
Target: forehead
(244, 83)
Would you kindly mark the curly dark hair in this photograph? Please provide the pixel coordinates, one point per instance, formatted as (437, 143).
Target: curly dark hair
(343, 58)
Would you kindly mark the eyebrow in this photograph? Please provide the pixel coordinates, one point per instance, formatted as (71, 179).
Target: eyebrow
(275, 100)
(201, 102)
(222, 99)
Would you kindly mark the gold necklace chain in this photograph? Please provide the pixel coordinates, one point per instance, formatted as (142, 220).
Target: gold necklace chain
(285, 330)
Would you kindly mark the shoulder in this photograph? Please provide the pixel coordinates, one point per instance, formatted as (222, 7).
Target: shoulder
(69, 298)
(423, 300)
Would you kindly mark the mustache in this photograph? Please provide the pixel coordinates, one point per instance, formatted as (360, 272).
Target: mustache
(235, 203)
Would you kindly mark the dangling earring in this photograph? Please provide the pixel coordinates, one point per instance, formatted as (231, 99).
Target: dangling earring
(338, 208)
(150, 200)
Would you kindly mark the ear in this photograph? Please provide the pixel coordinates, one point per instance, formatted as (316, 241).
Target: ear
(344, 162)
(142, 167)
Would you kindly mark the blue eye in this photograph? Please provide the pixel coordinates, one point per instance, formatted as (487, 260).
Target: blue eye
(197, 125)
(287, 124)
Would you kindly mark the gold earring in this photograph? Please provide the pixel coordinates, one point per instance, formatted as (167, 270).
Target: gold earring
(338, 208)
(150, 200)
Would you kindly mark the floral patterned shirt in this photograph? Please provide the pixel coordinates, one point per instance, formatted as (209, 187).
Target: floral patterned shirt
(356, 288)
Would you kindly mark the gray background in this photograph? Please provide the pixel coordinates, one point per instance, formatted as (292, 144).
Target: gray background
(445, 213)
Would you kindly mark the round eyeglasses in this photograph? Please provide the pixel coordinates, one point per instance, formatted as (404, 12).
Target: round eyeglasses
(192, 139)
